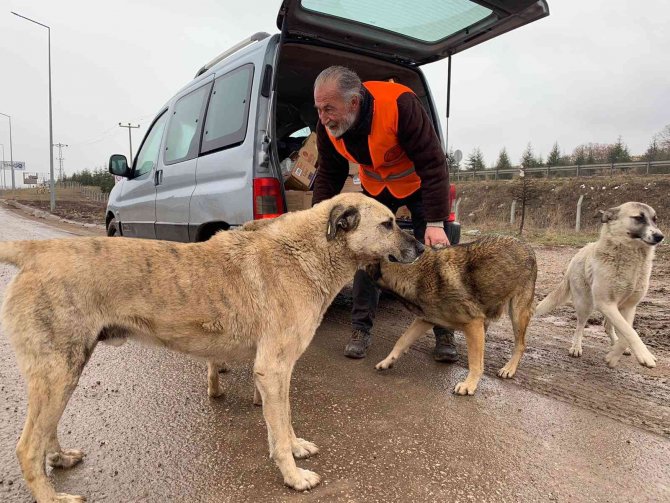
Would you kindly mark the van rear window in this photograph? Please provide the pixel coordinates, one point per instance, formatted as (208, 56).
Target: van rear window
(425, 20)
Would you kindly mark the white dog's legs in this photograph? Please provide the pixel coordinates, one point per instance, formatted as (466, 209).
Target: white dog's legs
(273, 383)
(584, 307)
(402, 345)
(609, 330)
(628, 337)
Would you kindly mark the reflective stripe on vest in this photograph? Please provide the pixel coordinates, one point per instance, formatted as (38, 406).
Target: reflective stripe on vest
(394, 176)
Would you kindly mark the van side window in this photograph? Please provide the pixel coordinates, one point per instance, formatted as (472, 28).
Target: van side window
(148, 155)
(228, 111)
(183, 136)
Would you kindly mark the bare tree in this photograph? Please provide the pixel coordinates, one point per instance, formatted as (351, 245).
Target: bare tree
(525, 191)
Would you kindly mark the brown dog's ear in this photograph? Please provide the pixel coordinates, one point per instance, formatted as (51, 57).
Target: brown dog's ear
(346, 219)
(608, 215)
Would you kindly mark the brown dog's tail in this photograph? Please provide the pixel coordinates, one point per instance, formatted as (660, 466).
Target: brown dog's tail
(556, 298)
(13, 252)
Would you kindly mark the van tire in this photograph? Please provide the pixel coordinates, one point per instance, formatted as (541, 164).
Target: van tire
(113, 228)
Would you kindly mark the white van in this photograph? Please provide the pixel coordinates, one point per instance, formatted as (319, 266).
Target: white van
(211, 158)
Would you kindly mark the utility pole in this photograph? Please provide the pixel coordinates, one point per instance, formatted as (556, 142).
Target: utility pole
(60, 159)
(51, 135)
(130, 139)
(11, 153)
(4, 185)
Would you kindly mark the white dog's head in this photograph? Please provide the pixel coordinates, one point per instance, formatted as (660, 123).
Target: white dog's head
(632, 220)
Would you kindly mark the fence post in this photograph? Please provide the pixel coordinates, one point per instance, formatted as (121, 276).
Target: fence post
(456, 207)
(648, 167)
(512, 211)
(578, 221)
(577, 169)
(612, 169)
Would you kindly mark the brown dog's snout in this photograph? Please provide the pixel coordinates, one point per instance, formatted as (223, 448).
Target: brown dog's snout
(657, 237)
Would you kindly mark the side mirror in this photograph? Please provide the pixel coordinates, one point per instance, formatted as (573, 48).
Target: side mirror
(118, 165)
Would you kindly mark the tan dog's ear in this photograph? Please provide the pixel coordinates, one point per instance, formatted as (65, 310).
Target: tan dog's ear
(346, 219)
(607, 215)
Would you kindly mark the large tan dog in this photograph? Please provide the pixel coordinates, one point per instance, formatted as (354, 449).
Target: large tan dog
(612, 276)
(464, 287)
(258, 294)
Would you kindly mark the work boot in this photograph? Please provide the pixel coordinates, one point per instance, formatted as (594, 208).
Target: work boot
(445, 349)
(358, 344)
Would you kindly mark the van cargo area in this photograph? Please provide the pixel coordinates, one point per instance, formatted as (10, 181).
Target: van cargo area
(296, 118)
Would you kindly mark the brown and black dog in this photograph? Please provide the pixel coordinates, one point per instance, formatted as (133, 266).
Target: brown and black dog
(464, 287)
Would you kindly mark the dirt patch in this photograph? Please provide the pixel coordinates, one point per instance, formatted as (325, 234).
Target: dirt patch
(629, 393)
(90, 212)
(488, 203)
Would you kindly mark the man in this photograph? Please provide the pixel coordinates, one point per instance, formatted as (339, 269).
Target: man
(383, 127)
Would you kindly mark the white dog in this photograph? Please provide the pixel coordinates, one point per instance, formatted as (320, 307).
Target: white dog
(612, 276)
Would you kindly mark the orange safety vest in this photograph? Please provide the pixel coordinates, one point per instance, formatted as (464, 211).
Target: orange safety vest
(391, 168)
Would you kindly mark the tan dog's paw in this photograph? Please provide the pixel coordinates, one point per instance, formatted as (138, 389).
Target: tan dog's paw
(68, 498)
(215, 392)
(66, 458)
(386, 363)
(627, 352)
(575, 351)
(303, 449)
(303, 480)
(506, 372)
(465, 388)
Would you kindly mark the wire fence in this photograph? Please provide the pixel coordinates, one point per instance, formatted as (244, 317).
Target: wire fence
(608, 169)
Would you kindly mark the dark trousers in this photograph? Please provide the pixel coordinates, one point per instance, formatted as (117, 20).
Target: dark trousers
(365, 292)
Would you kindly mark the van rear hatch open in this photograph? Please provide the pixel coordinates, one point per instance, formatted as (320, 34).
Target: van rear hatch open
(411, 32)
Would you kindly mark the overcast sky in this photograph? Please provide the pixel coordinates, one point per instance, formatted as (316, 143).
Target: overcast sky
(591, 71)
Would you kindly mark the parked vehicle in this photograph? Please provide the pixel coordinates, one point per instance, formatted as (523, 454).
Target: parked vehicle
(210, 160)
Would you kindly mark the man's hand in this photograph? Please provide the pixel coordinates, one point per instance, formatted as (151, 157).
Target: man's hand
(436, 237)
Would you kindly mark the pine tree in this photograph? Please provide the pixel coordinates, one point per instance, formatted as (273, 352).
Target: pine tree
(554, 158)
(618, 152)
(503, 160)
(527, 158)
(475, 160)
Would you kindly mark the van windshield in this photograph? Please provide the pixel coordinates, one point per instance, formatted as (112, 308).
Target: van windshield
(426, 20)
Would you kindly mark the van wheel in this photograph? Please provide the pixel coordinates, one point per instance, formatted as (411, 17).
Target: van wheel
(112, 228)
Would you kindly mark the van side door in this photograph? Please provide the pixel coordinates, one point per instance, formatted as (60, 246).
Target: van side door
(137, 201)
(224, 191)
(175, 175)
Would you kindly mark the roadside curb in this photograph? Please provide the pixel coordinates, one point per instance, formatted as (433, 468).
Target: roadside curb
(46, 215)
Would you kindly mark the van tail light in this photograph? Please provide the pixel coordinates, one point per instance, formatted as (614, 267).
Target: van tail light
(268, 201)
(452, 202)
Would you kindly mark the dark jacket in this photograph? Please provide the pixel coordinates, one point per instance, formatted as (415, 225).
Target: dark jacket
(416, 135)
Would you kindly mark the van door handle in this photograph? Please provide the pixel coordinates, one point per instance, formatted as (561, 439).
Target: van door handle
(158, 177)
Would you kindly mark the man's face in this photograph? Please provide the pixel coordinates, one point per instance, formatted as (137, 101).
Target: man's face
(335, 113)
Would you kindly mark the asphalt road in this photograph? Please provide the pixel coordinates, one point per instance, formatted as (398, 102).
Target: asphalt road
(151, 434)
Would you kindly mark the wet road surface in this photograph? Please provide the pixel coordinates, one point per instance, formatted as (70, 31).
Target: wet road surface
(151, 433)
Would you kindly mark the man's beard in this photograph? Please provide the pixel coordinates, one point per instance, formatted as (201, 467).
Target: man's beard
(343, 126)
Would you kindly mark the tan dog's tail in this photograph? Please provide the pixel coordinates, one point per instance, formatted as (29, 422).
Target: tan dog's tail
(556, 298)
(13, 252)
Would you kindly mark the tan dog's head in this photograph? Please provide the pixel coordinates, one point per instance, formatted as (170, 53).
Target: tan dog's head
(369, 230)
(632, 220)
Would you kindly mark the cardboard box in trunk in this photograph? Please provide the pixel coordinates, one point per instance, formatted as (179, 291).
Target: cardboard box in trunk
(297, 200)
(303, 171)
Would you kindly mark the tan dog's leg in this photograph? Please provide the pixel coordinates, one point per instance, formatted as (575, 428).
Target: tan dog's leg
(272, 375)
(474, 337)
(301, 448)
(627, 337)
(257, 396)
(520, 316)
(402, 345)
(214, 388)
(48, 394)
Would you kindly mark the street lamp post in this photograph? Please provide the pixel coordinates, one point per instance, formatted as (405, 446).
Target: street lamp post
(4, 186)
(11, 153)
(52, 187)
